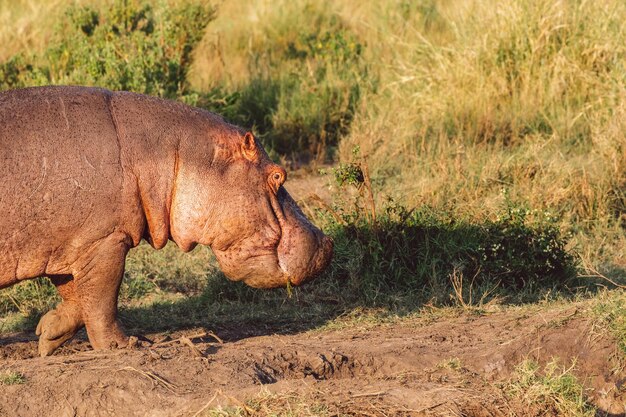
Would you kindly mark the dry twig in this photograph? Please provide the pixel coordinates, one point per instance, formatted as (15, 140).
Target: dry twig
(186, 341)
(369, 394)
(208, 403)
(152, 377)
(596, 274)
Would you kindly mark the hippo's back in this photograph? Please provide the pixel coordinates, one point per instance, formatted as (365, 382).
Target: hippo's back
(59, 171)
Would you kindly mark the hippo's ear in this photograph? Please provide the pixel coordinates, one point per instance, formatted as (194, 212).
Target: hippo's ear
(249, 148)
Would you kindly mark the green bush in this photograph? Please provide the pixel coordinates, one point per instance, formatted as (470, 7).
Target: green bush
(126, 46)
(317, 99)
(299, 107)
(304, 104)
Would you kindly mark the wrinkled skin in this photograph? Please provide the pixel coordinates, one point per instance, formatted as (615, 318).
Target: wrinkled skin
(86, 173)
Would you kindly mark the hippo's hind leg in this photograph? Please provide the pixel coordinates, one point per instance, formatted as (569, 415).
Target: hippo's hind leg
(97, 278)
(61, 324)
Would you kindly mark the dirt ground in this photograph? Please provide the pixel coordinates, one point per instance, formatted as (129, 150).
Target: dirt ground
(384, 369)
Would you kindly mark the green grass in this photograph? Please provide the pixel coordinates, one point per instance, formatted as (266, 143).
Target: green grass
(28, 296)
(452, 364)
(609, 310)
(553, 389)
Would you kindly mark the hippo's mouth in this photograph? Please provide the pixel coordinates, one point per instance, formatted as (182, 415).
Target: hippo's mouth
(266, 278)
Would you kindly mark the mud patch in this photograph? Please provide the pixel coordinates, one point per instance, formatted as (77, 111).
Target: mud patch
(319, 366)
(449, 367)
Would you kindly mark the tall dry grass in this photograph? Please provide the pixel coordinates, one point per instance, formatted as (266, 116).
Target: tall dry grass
(28, 25)
(483, 99)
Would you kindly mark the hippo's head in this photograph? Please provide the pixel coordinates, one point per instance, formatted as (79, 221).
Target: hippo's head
(230, 195)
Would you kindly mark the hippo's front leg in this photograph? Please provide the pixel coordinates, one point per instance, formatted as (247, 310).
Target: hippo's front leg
(97, 278)
(61, 324)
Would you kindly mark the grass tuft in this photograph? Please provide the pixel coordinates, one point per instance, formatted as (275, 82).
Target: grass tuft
(610, 313)
(552, 389)
(9, 377)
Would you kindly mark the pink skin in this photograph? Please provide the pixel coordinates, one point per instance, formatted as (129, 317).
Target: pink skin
(275, 243)
(88, 173)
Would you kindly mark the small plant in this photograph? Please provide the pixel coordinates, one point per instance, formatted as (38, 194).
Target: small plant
(451, 363)
(335, 46)
(9, 377)
(349, 174)
(356, 174)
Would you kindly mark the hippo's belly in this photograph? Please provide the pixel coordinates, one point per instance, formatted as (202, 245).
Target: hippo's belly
(60, 179)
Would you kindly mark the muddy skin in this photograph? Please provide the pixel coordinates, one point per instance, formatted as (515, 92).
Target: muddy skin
(87, 173)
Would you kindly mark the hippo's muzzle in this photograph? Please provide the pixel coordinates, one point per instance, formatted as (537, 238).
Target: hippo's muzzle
(301, 254)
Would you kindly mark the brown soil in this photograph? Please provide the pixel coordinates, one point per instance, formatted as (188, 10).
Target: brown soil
(388, 369)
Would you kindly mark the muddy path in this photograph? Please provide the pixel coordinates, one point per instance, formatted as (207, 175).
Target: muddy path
(386, 369)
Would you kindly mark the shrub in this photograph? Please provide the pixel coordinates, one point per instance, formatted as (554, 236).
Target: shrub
(417, 251)
(126, 46)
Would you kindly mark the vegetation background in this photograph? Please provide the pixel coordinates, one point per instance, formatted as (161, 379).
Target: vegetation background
(475, 150)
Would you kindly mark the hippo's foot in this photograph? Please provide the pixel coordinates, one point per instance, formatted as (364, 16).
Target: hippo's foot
(58, 326)
(107, 336)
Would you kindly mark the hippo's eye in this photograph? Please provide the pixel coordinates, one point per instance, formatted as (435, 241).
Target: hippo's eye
(277, 178)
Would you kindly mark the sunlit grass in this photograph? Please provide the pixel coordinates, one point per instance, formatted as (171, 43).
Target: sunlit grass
(554, 388)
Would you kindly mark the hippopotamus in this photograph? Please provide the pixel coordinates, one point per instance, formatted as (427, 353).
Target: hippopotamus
(87, 173)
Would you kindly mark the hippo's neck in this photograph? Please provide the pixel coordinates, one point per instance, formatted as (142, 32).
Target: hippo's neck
(155, 196)
(149, 134)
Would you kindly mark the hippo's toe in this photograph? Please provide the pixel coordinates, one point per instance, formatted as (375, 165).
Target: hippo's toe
(58, 326)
